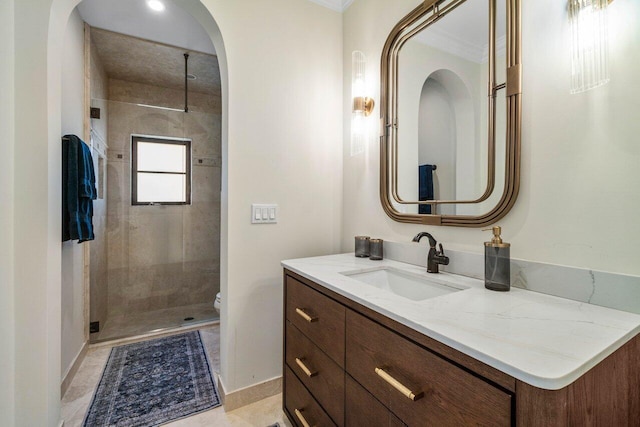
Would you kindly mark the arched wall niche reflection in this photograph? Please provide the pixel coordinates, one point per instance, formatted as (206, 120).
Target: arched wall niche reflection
(448, 138)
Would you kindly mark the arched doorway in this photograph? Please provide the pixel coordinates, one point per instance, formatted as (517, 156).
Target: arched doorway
(38, 307)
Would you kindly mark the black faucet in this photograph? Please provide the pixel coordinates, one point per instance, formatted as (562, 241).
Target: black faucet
(435, 257)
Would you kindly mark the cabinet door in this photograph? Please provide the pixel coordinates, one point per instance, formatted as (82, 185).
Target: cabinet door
(364, 410)
(319, 317)
(421, 388)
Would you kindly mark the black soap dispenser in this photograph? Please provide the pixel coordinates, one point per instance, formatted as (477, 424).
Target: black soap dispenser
(497, 259)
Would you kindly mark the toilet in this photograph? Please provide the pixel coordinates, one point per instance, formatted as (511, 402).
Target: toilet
(216, 303)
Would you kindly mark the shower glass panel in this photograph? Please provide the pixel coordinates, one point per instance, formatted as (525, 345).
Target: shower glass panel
(155, 266)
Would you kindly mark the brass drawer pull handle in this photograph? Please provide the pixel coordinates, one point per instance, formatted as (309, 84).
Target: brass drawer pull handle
(398, 385)
(305, 316)
(301, 418)
(306, 370)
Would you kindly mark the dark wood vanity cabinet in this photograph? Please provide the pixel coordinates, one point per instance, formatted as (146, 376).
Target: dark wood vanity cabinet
(347, 365)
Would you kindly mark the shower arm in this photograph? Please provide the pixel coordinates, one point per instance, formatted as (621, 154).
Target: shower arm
(186, 82)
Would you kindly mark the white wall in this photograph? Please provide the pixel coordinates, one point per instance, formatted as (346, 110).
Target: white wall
(579, 195)
(37, 209)
(582, 152)
(37, 279)
(7, 320)
(284, 141)
(72, 109)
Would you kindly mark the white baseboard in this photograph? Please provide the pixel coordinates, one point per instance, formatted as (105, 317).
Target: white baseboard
(245, 396)
(73, 369)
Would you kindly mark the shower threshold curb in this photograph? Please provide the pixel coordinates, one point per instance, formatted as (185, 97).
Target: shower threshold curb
(154, 334)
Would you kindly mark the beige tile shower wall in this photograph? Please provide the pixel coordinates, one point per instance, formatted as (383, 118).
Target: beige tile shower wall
(99, 90)
(140, 93)
(98, 293)
(162, 256)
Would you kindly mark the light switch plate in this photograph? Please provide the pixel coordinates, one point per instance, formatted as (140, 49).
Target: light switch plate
(264, 213)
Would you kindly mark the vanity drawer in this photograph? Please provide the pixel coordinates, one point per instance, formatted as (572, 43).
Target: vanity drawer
(318, 317)
(364, 410)
(301, 405)
(446, 395)
(323, 377)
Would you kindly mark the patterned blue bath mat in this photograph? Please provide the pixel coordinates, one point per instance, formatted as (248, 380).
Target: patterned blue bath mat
(154, 382)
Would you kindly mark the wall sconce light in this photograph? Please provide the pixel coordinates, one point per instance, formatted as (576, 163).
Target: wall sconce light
(589, 44)
(362, 104)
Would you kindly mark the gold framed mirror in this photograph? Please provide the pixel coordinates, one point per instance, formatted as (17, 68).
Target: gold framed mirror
(451, 113)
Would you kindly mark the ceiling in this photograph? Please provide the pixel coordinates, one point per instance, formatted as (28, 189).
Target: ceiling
(157, 38)
(337, 5)
(465, 31)
(163, 37)
(137, 60)
(174, 26)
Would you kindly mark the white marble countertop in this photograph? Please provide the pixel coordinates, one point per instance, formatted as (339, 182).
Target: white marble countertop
(545, 341)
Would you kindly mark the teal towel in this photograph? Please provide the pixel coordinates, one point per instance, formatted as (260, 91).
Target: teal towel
(78, 190)
(425, 187)
(86, 175)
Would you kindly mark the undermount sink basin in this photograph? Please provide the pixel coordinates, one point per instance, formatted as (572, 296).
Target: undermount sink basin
(405, 284)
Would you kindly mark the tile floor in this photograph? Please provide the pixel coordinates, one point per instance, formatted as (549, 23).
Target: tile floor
(76, 400)
(133, 324)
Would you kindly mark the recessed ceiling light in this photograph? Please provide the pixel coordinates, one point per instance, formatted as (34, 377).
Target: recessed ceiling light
(156, 5)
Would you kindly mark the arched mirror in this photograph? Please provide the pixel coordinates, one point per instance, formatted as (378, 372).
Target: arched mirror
(450, 110)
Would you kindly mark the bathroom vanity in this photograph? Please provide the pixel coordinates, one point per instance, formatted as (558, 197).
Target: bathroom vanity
(385, 344)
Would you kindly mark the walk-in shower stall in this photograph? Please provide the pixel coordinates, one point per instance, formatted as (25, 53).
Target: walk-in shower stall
(155, 262)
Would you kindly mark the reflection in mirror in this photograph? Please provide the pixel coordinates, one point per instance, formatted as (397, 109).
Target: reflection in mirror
(445, 104)
(451, 96)
(443, 108)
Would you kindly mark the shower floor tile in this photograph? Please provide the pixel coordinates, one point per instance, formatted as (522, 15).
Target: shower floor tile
(133, 324)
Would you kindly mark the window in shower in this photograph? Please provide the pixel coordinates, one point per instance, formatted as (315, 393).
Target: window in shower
(160, 171)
